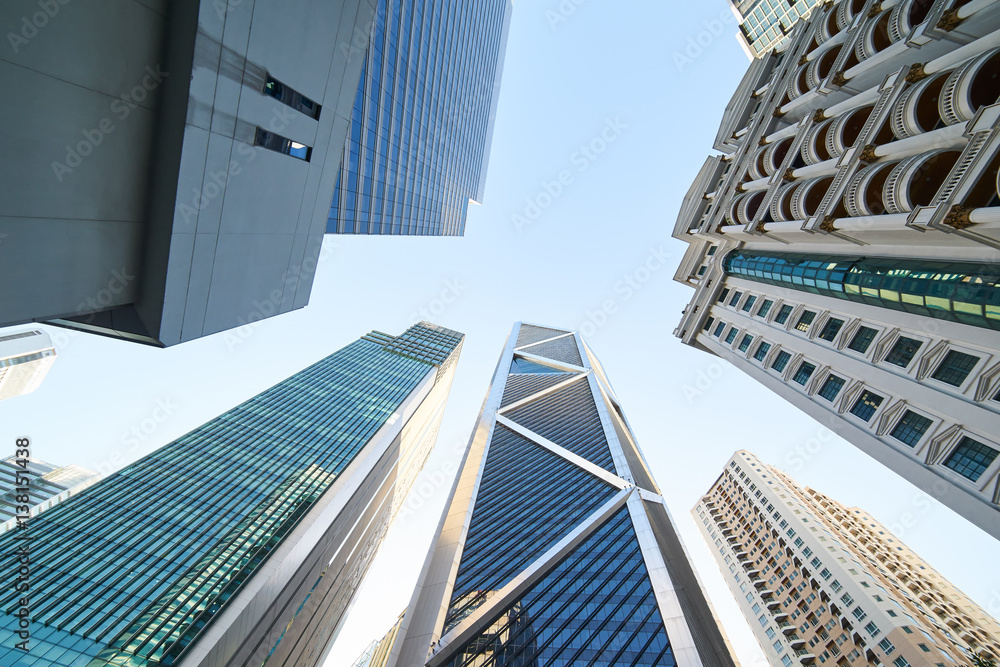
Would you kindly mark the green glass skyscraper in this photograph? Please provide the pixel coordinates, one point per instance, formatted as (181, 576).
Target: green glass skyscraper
(244, 540)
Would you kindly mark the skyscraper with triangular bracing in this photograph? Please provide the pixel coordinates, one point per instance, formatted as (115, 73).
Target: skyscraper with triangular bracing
(556, 547)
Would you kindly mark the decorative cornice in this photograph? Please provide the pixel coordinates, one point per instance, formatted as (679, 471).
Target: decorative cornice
(949, 20)
(868, 153)
(777, 113)
(839, 79)
(875, 10)
(804, 59)
(819, 115)
(759, 227)
(762, 141)
(827, 224)
(916, 73)
(958, 217)
(788, 175)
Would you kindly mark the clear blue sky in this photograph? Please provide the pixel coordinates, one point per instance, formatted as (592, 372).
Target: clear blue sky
(609, 68)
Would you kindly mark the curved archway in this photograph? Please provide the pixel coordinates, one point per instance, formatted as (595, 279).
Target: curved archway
(916, 180)
(806, 199)
(918, 108)
(971, 87)
(781, 205)
(814, 148)
(863, 195)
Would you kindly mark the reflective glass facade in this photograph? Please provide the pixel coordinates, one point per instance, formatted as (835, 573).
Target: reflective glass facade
(958, 291)
(422, 120)
(135, 569)
(596, 607)
(766, 22)
(553, 554)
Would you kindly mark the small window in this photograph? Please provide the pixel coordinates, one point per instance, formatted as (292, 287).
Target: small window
(971, 458)
(731, 336)
(762, 351)
(804, 373)
(805, 319)
(903, 351)
(831, 387)
(831, 329)
(745, 343)
(719, 328)
(901, 662)
(871, 629)
(749, 304)
(291, 97)
(859, 613)
(736, 298)
(911, 428)
(723, 294)
(866, 405)
(764, 308)
(280, 144)
(783, 314)
(862, 339)
(708, 324)
(702, 270)
(711, 251)
(955, 368)
(781, 361)
(886, 646)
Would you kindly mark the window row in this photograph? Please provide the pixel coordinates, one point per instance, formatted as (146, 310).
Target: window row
(969, 456)
(920, 356)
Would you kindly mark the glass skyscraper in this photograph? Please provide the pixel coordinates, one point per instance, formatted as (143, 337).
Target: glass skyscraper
(422, 120)
(556, 547)
(243, 541)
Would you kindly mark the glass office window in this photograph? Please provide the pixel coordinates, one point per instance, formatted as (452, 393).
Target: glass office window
(971, 458)
(866, 405)
(911, 428)
(955, 367)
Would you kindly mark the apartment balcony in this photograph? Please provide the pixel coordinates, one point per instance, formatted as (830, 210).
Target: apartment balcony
(805, 657)
(913, 586)
(732, 539)
(766, 594)
(778, 615)
(786, 628)
(759, 583)
(742, 555)
(797, 642)
(774, 605)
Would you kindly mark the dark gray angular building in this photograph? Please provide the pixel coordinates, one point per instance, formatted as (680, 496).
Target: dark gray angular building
(244, 540)
(422, 121)
(556, 547)
(167, 167)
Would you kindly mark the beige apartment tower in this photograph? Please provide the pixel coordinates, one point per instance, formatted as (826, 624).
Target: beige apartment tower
(844, 243)
(822, 583)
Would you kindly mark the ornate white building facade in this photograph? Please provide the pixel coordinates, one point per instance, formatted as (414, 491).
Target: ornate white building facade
(844, 245)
